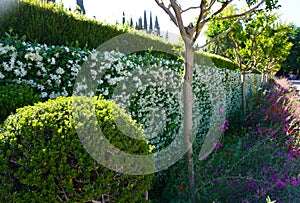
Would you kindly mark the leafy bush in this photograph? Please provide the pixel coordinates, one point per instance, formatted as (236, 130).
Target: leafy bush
(13, 96)
(43, 160)
(57, 68)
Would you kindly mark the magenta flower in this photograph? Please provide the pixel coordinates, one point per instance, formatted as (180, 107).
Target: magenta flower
(225, 126)
(217, 145)
(294, 182)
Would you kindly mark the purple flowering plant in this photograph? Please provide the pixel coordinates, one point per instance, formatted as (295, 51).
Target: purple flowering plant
(259, 157)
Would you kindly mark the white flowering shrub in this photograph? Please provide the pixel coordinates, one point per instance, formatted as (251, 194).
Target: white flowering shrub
(148, 87)
(51, 70)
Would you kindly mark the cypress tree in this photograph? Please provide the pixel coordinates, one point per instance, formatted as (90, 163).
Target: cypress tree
(145, 21)
(123, 19)
(81, 6)
(156, 26)
(140, 23)
(136, 26)
(150, 26)
(131, 22)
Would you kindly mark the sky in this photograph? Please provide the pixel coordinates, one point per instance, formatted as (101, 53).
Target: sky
(111, 11)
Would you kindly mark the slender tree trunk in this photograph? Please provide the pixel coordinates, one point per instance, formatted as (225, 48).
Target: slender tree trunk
(188, 114)
(243, 78)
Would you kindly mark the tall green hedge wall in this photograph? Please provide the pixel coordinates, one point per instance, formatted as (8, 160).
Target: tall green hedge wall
(51, 24)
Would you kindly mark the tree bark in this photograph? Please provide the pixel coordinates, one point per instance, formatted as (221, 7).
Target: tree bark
(188, 114)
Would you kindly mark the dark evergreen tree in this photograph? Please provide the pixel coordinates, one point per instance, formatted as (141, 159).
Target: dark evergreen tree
(151, 25)
(145, 21)
(131, 22)
(167, 35)
(140, 25)
(123, 19)
(81, 6)
(156, 26)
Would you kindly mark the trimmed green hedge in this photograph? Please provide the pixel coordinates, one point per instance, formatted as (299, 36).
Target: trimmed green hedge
(13, 96)
(43, 160)
(52, 25)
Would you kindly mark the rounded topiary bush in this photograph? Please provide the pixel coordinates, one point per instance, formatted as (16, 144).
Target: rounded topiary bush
(42, 158)
(13, 96)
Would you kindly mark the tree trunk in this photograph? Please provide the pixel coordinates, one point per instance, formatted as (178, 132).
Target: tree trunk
(188, 114)
(80, 4)
(243, 78)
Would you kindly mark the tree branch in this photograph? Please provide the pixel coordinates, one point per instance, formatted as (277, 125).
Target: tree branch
(177, 10)
(242, 14)
(212, 2)
(199, 25)
(167, 10)
(190, 8)
(224, 5)
(220, 35)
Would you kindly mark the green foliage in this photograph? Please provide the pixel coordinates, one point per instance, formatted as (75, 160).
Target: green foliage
(43, 160)
(260, 43)
(52, 25)
(56, 67)
(13, 96)
(209, 59)
(292, 62)
(259, 156)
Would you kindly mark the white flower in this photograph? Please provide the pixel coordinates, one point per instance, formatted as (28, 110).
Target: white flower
(33, 57)
(105, 93)
(41, 87)
(52, 95)
(94, 73)
(23, 72)
(94, 56)
(52, 61)
(17, 72)
(44, 95)
(60, 71)
(49, 82)
(100, 81)
(6, 66)
(2, 76)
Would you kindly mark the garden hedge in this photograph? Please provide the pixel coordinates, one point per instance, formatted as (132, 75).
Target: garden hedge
(43, 160)
(51, 24)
